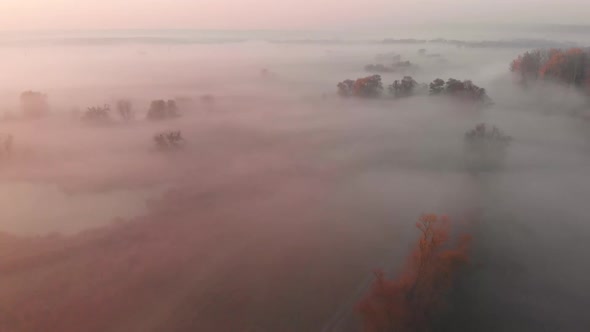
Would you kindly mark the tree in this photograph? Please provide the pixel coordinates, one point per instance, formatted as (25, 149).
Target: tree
(437, 87)
(345, 88)
(460, 90)
(34, 104)
(125, 109)
(528, 65)
(366, 87)
(161, 109)
(403, 88)
(569, 66)
(486, 147)
(411, 301)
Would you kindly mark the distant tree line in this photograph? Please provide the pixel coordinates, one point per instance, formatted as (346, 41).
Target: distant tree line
(372, 87)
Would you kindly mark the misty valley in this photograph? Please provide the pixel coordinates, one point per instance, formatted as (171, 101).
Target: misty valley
(294, 184)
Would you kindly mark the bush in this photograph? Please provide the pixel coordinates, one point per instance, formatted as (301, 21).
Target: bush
(367, 87)
(169, 140)
(486, 147)
(97, 114)
(411, 301)
(160, 110)
(34, 104)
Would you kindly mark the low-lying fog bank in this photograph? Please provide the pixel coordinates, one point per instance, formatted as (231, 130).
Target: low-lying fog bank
(284, 197)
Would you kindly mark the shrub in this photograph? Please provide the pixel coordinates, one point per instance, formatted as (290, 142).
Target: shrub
(34, 104)
(411, 301)
(97, 114)
(168, 140)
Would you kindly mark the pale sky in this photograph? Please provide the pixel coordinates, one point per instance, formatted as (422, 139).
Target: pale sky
(277, 14)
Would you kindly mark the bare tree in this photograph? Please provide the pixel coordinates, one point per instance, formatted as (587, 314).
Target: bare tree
(125, 110)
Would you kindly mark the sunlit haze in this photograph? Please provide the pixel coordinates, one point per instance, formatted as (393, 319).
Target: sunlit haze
(272, 14)
(294, 165)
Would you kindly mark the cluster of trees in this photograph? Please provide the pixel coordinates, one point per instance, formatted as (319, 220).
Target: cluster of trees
(460, 90)
(34, 104)
(570, 66)
(371, 86)
(486, 146)
(161, 109)
(406, 87)
(168, 140)
(411, 301)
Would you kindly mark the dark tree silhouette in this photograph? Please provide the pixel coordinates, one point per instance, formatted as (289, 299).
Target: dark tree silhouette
(345, 88)
(97, 114)
(486, 147)
(437, 87)
(161, 109)
(168, 140)
(460, 90)
(404, 88)
(125, 109)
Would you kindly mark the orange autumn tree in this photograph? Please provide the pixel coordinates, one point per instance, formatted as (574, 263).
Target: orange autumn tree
(569, 66)
(367, 87)
(410, 302)
(566, 66)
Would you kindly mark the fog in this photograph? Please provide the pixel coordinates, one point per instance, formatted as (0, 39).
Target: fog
(285, 196)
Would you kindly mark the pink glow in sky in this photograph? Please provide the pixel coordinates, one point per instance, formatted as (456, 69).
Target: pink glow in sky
(252, 14)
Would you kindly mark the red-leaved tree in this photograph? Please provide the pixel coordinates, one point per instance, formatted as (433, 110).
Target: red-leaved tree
(409, 302)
